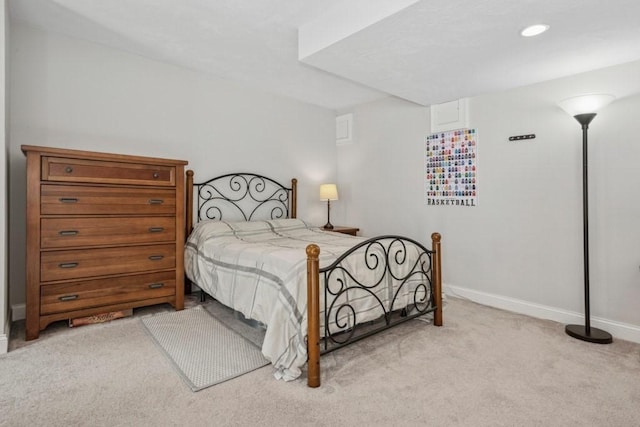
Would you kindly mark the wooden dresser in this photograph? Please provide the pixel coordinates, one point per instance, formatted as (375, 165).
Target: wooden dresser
(105, 232)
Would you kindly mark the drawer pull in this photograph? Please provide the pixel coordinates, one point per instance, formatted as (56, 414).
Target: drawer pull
(156, 285)
(156, 201)
(68, 297)
(68, 169)
(156, 229)
(156, 257)
(68, 232)
(156, 175)
(68, 265)
(68, 200)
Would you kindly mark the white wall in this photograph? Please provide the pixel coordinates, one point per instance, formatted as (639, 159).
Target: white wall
(4, 187)
(380, 172)
(521, 248)
(70, 93)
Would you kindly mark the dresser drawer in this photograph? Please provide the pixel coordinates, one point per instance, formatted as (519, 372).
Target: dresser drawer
(87, 200)
(95, 293)
(76, 170)
(73, 232)
(70, 264)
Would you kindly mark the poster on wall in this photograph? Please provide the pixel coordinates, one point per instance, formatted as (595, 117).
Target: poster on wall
(451, 163)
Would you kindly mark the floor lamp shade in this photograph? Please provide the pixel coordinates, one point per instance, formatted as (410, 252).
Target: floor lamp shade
(585, 104)
(328, 192)
(583, 108)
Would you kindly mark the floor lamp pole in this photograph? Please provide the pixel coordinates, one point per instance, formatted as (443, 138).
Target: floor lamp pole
(586, 332)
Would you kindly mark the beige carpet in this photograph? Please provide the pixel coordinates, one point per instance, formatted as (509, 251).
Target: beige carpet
(485, 367)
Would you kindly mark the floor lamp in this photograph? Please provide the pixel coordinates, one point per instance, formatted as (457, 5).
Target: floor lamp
(583, 108)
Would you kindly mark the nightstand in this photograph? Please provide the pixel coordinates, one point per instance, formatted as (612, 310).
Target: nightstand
(353, 231)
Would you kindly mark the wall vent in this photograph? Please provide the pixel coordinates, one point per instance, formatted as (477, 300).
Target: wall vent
(450, 115)
(344, 129)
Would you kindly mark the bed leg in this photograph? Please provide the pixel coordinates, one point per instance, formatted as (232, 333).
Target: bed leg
(313, 316)
(437, 278)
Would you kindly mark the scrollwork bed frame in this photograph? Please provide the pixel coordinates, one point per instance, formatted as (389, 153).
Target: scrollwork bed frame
(248, 196)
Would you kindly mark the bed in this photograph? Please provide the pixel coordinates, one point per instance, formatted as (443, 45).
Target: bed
(314, 291)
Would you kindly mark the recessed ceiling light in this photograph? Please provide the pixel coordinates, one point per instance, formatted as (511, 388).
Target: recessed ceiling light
(534, 30)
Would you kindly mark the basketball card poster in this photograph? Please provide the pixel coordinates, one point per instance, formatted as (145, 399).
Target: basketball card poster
(451, 168)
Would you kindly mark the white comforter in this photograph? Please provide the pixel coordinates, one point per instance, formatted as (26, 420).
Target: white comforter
(259, 269)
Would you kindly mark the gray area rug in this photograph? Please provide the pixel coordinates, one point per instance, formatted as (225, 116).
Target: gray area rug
(203, 350)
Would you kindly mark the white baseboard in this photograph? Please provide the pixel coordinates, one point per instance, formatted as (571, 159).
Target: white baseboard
(619, 330)
(18, 312)
(4, 338)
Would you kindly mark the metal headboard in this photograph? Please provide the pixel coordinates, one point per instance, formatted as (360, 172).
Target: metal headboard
(239, 197)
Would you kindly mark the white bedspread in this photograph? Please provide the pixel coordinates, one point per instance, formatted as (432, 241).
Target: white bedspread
(259, 269)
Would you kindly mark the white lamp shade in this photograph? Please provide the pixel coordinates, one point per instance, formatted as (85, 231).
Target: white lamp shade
(328, 192)
(584, 104)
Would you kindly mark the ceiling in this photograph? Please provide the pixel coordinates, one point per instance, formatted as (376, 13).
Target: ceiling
(340, 53)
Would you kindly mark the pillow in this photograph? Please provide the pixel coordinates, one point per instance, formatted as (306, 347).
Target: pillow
(215, 228)
(212, 226)
(205, 229)
(279, 225)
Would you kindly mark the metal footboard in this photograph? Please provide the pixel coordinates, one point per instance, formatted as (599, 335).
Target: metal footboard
(400, 281)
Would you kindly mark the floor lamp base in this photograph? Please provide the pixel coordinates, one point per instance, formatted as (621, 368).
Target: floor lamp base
(596, 335)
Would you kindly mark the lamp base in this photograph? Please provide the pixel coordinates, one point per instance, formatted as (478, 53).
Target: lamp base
(597, 336)
(328, 226)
